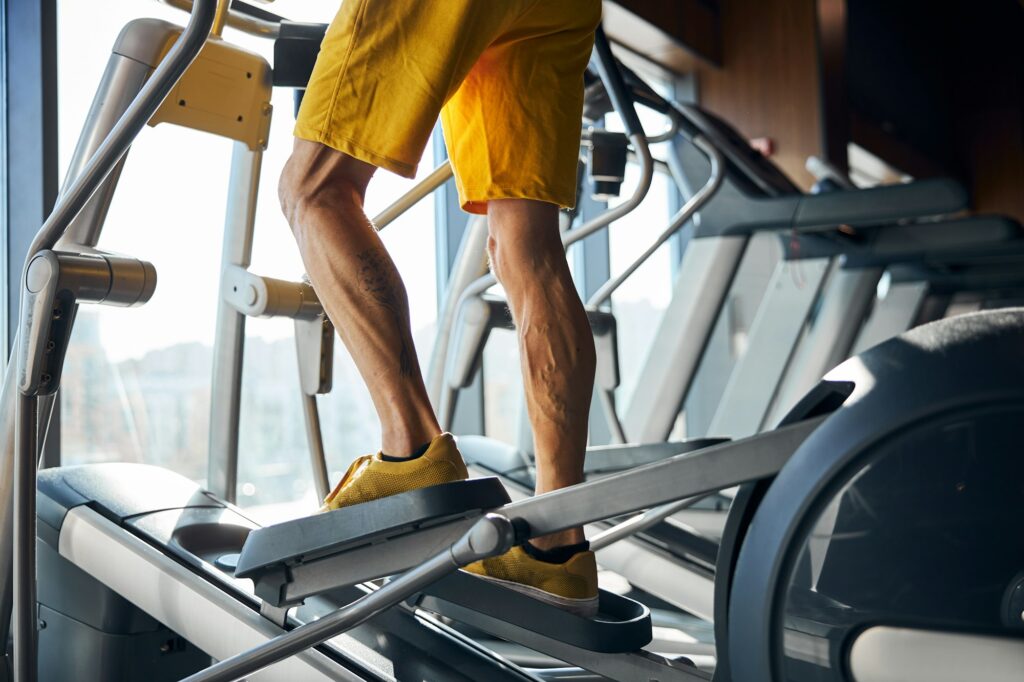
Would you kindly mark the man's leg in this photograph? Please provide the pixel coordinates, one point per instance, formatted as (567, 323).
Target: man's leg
(322, 192)
(555, 341)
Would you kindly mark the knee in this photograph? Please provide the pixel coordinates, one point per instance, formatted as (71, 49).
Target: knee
(310, 183)
(496, 257)
(290, 187)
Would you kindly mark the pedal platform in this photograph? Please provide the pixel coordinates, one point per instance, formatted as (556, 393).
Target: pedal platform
(269, 553)
(622, 625)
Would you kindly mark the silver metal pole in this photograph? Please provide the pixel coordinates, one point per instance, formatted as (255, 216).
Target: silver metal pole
(262, 28)
(641, 522)
(229, 338)
(122, 81)
(493, 534)
(317, 456)
(423, 189)
(25, 629)
(611, 415)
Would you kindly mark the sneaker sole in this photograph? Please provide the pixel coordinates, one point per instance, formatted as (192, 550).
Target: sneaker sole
(584, 608)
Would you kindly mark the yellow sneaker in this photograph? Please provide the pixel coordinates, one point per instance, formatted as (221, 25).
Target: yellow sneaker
(571, 585)
(370, 477)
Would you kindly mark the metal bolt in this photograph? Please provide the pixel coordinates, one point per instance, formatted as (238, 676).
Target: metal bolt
(45, 378)
(50, 345)
(57, 313)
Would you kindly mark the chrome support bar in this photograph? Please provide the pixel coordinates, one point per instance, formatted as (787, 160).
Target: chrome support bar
(643, 152)
(423, 189)
(470, 264)
(317, 456)
(258, 296)
(229, 338)
(611, 415)
(25, 629)
(243, 22)
(641, 522)
(694, 204)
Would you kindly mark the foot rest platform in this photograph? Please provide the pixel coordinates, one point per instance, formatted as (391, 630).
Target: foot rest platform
(270, 552)
(622, 625)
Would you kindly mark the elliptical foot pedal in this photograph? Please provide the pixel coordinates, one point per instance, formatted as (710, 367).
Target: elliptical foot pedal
(621, 625)
(270, 553)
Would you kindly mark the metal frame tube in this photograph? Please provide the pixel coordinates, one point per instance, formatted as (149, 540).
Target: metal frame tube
(774, 334)
(220, 17)
(617, 433)
(699, 293)
(470, 263)
(641, 522)
(694, 204)
(246, 23)
(569, 238)
(122, 81)
(24, 625)
(317, 457)
(229, 340)
(423, 189)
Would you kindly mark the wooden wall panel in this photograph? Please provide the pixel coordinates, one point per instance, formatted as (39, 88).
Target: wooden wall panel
(676, 35)
(995, 148)
(768, 84)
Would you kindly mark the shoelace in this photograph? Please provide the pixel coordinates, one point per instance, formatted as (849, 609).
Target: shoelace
(352, 469)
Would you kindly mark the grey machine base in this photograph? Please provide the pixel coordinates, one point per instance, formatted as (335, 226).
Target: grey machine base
(91, 634)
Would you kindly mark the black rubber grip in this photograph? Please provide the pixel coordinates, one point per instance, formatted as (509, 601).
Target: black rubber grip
(608, 69)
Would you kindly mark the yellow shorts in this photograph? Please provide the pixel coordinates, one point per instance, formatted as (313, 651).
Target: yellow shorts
(506, 77)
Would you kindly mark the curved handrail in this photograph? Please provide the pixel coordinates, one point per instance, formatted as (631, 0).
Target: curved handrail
(247, 23)
(694, 204)
(116, 145)
(643, 152)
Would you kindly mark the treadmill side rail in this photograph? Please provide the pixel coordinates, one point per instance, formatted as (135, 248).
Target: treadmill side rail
(197, 610)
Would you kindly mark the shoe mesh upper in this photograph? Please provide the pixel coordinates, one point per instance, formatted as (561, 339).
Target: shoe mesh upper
(574, 579)
(371, 478)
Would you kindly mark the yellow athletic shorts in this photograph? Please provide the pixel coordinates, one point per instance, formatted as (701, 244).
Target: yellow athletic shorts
(506, 76)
